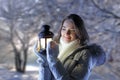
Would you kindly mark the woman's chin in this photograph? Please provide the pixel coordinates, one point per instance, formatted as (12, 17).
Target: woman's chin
(67, 40)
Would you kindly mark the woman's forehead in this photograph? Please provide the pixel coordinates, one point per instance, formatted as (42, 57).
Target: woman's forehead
(68, 24)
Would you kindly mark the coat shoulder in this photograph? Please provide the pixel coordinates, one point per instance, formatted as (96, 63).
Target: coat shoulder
(97, 53)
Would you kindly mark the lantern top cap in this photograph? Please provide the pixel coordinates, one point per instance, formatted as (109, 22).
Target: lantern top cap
(46, 27)
(45, 33)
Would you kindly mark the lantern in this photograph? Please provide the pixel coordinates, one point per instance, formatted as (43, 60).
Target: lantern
(45, 36)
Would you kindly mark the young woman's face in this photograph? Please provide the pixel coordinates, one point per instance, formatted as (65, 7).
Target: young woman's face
(68, 31)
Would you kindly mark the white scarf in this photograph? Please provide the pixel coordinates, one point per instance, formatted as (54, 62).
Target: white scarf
(66, 49)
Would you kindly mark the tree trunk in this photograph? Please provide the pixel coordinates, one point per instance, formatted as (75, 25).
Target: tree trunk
(20, 64)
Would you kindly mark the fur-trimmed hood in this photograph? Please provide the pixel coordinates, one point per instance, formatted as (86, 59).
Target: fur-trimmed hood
(98, 54)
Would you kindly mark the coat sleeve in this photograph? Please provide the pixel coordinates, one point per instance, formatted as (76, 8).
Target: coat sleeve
(43, 70)
(43, 65)
(59, 71)
(80, 72)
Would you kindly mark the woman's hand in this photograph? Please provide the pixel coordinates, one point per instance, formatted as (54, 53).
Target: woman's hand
(52, 51)
(55, 65)
(41, 58)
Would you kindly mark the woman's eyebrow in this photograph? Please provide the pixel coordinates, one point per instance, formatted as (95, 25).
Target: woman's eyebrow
(63, 27)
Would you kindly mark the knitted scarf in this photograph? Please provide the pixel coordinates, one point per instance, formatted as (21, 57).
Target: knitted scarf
(67, 48)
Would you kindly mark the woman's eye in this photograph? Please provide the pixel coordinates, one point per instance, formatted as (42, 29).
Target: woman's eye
(72, 30)
(63, 29)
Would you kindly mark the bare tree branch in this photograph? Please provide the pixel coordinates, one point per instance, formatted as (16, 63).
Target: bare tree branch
(105, 10)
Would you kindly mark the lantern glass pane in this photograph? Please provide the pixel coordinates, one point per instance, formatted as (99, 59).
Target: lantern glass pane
(48, 40)
(38, 45)
(42, 42)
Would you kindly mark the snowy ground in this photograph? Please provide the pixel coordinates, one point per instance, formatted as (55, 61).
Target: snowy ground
(31, 74)
(105, 72)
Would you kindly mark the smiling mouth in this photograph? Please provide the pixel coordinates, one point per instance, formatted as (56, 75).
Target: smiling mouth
(67, 38)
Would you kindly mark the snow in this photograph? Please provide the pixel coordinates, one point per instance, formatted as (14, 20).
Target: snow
(30, 74)
(108, 71)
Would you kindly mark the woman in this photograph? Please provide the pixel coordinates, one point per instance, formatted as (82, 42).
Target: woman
(68, 56)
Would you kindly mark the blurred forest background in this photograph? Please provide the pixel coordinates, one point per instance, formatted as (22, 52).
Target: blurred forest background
(21, 21)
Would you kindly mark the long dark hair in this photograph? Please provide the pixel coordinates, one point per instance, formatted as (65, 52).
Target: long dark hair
(81, 32)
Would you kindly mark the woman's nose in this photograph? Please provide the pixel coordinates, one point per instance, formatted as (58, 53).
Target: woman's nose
(68, 32)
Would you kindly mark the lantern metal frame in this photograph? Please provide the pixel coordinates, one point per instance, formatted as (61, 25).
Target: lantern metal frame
(46, 35)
